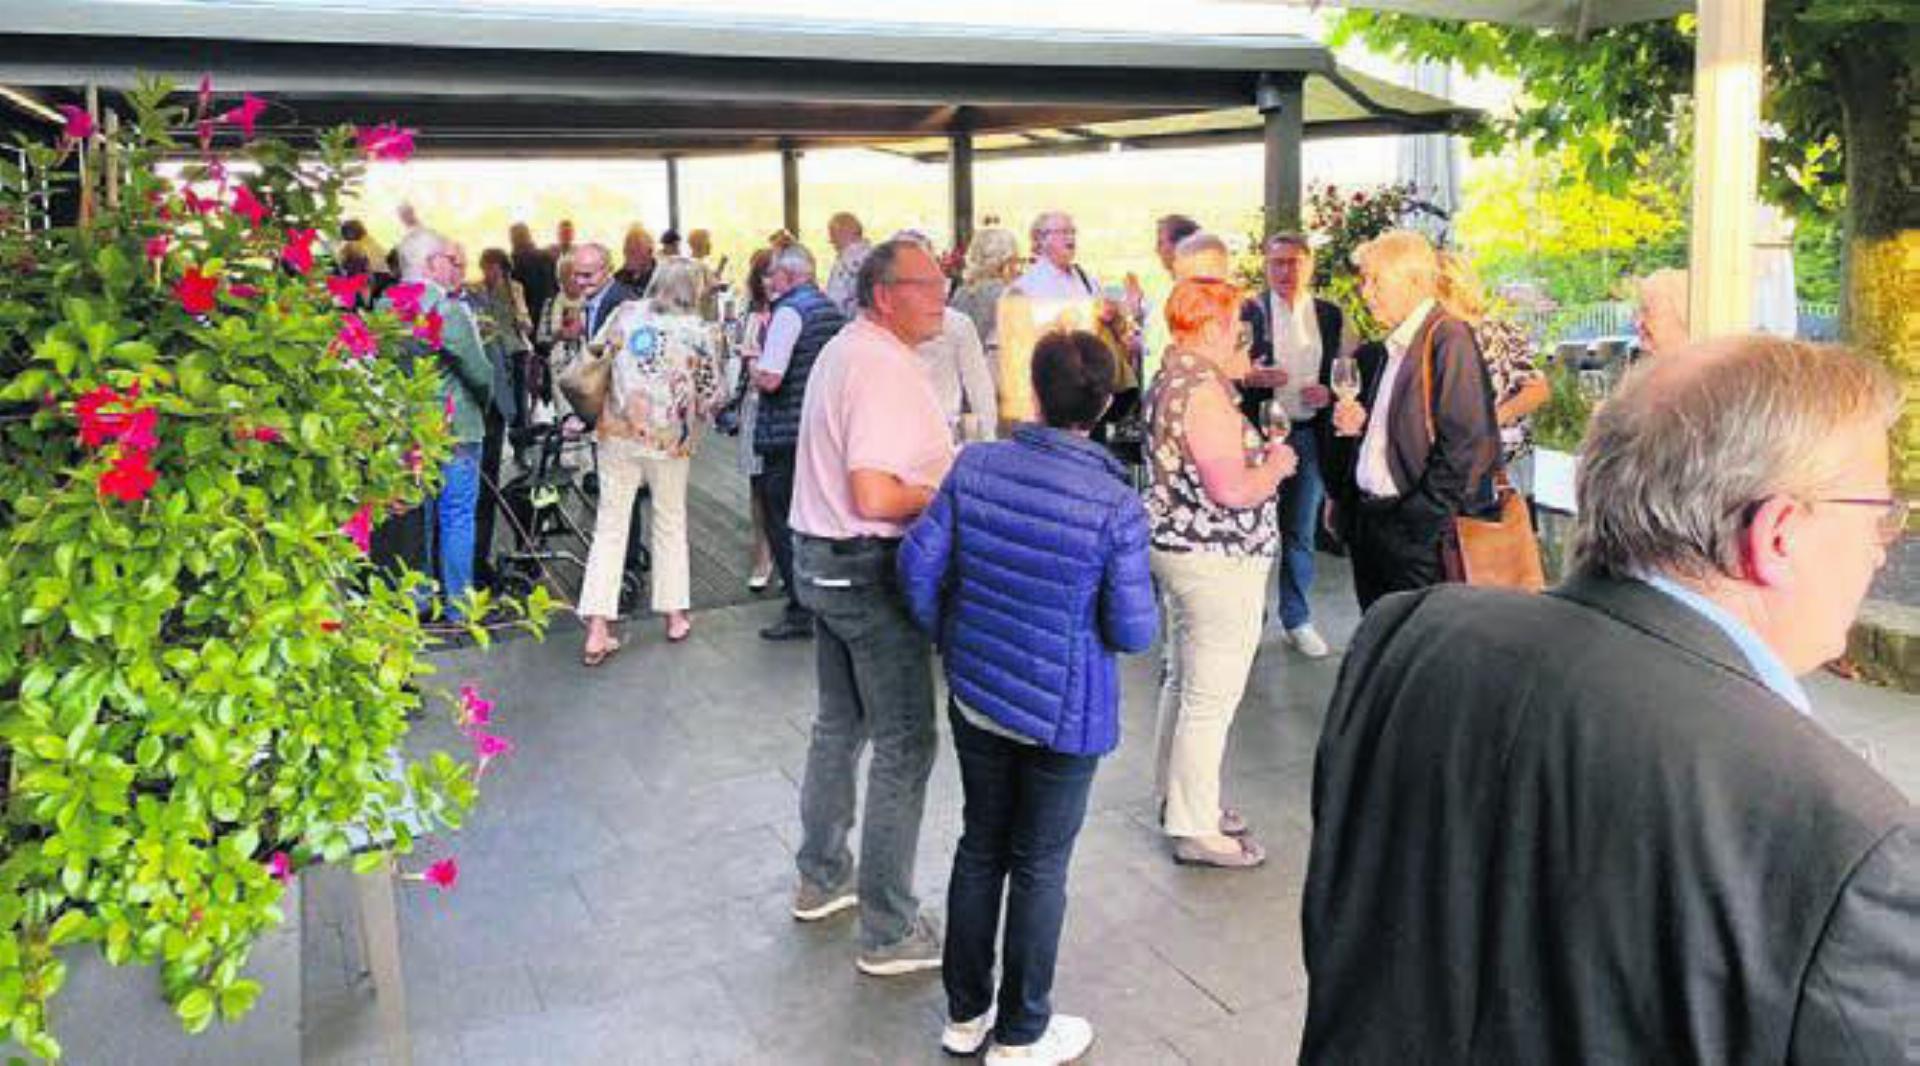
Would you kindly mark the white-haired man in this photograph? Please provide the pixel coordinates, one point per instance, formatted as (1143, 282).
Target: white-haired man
(1054, 275)
(850, 250)
(1602, 825)
(466, 385)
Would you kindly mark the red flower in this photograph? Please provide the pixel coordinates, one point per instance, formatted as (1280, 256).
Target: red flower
(442, 874)
(246, 114)
(385, 141)
(198, 204)
(263, 434)
(404, 298)
(139, 432)
(358, 340)
(100, 426)
(281, 867)
(206, 92)
(196, 291)
(359, 528)
(79, 124)
(329, 625)
(430, 329)
(248, 205)
(298, 252)
(157, 247)
(346, 291)
(130, 478)
(243, 291)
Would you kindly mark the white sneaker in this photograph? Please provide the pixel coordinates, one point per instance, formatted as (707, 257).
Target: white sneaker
(1308, 641)
(965, 1038)
(1066, 1039)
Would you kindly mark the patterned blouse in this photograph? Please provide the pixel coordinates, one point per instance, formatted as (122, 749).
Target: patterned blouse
(667, 379)
(1184, 517)
(1509, 357)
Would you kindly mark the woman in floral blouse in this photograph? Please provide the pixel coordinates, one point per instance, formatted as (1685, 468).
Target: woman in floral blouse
(1214, 537)
(666, 384)
(1519, 386)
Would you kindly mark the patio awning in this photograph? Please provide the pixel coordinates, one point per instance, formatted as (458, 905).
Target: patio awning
(507, 78)
(1569, 16)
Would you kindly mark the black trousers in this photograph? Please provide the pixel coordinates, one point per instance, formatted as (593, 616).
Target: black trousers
(491, 448)
(1395, 547)
(774, 489)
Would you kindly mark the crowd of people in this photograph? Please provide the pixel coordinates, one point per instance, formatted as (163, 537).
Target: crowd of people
(1593, 825)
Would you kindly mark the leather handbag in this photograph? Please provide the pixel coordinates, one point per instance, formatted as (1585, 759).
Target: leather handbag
(1499, 551)
(585, 380)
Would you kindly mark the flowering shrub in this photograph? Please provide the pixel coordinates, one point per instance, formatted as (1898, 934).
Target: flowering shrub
(204, 683)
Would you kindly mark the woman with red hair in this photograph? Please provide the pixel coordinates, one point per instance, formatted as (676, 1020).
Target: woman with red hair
(1215, 535)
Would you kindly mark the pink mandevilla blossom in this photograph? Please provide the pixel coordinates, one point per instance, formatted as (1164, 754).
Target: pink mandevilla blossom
(404, 298)
(385, 141)
(246, 114)
(442, 874)
(358, 340)
(196, 291)
(157, 247)
(476, 710)
(431, 329)
(243, 291)
(298, 252)
(346, 291)
(247, 205)
(130, 478)
(281, 867)
(79, 124)
(488, 747)
(359, 528)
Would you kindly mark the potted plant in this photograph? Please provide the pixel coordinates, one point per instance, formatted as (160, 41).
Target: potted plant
(204, 683)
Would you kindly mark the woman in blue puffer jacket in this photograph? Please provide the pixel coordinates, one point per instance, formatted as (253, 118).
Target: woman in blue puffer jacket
(1030, 570)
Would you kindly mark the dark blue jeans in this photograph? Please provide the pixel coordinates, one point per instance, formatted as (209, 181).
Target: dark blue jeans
(1024, 808)
(1300, 500)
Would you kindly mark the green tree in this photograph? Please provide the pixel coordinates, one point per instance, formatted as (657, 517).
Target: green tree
(1840, 93)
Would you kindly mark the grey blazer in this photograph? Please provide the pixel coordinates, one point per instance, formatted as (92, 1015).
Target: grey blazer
(1576, 828)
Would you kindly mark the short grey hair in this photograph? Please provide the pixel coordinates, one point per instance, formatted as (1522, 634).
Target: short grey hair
(1680, 454)
(1040, 223)
(1404, 256)
(879, 268)
(1202, 255)
(794, 259)
(416, 250)
(593, 248)
(991, 254)
(676, 287)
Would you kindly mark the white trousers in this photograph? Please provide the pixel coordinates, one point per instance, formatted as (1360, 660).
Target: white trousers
(1214, 606)
(623, 470)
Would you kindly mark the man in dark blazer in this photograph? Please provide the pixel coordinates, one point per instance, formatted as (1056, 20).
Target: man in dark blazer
(1296, 336)
(1601, 825)
(1420, 445)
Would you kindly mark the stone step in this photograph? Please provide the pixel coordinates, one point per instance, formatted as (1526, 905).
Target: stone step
(1885, 644)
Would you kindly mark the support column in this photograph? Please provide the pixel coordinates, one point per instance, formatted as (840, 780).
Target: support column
(1282, 105)
(960, 187)
(673, 193)
(790, 190)
(1727, 76)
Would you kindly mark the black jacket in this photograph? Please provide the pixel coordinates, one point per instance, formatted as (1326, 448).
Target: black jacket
(1454, 473)
(1575, 828)
(1332, 326)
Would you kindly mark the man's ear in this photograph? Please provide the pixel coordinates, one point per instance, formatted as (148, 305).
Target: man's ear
(1768, 541)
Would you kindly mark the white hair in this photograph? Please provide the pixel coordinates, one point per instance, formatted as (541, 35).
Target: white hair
(795, 260)
(676, 285)
(416, 250)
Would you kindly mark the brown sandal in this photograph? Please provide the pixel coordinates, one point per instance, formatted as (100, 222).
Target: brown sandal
(1188, 851)
(595, 658)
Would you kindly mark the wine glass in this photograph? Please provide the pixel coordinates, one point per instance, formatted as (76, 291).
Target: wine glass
(1345, 378)
(1274, 419)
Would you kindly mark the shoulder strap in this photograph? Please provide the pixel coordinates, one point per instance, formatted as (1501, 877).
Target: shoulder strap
(1425, 354)
(1085, 282)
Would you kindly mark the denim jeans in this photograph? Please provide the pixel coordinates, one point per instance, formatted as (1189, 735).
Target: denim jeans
(774, 488)
(876, 684)
(454, 521)
(1024, 807)
(1300, 500)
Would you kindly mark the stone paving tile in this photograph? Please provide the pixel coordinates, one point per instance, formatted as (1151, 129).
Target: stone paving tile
(654, 883)
(684, 1019)
(1269, 1033)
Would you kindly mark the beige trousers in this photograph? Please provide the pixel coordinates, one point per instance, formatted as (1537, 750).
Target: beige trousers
(1214, 606)
(623, 469)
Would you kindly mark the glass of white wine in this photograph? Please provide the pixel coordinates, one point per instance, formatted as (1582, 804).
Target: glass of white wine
(1274, 419)
(1345, 378)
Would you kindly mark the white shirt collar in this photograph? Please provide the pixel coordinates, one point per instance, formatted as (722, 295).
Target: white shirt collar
(1402, 336)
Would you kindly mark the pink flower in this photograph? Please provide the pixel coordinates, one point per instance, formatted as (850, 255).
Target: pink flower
(198, 204)
(248, 205)
(404, 298)
(385, 141)
(243, 291)
(206, 92)
(359, 528)
(430, 329)
(281, 867)
(475, 709)
(446, 407)
(263, 434)
(196, 291)
(488, 747)
(130, 478)
(157, 247)
(346, 291)
(415, 461)
(79, 124)
(442, 874)
(98, 424)
(246, 114)
(298, 252)
(139, 432)
(358, 340)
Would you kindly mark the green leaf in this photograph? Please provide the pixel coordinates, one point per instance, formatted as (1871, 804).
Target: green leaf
(68, 927)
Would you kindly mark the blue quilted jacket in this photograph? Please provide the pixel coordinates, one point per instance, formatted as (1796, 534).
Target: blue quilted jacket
(1030, 569)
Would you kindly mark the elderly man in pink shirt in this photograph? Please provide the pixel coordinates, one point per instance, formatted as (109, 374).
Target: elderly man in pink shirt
(873, 448)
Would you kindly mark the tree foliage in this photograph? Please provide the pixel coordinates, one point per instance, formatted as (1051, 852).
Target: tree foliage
(204, 684)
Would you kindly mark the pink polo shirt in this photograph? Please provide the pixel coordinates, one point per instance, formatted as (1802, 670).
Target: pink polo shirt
(869, 406)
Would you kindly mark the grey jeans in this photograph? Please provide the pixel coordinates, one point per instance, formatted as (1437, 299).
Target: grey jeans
(876, 684)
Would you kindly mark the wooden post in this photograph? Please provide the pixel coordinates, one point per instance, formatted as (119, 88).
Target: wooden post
(673, 193)
(1727, 74)
(1282, 107)
(790, 190)
(960, 187)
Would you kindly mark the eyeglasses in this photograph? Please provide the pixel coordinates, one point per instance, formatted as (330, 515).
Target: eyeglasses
(1893, 513)
(918, 281)
(1067, 232)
